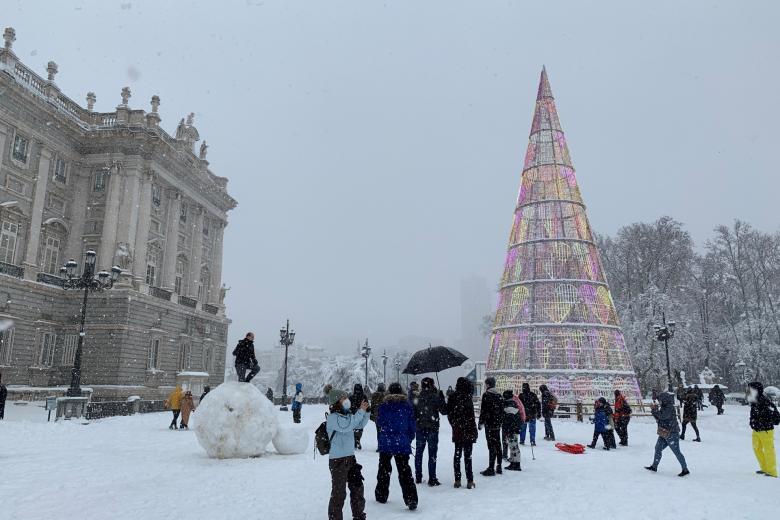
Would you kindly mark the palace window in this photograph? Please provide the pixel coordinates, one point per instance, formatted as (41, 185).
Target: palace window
(51, 255)
(208, 359)
(154, 354)
(60, 170)
(204, 287)
(6, 344)
(69, 345)
(184, 357)
(99, 181)
(206, 226)
(183, 212)
(8, 236)
(21, 149)
(153, 255)
(181, 270)
(46, 352)
(156, 194)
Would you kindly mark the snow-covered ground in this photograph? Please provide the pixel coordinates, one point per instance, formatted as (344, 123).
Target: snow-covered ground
(134, 467)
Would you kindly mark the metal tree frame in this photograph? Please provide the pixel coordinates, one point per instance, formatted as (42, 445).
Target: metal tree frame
(555, 321)
(87, 282)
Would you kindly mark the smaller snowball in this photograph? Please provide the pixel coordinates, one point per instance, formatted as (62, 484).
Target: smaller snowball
(292, 439)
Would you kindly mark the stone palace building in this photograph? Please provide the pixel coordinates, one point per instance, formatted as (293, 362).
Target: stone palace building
(73, 180)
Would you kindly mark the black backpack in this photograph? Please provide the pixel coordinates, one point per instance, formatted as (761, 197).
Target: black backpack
(321, 438)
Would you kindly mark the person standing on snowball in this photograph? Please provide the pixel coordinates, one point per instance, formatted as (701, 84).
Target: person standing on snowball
(173, 403)
(763, 419)
(668, 432)
(297, 403)
(344, 469)
(246, 360)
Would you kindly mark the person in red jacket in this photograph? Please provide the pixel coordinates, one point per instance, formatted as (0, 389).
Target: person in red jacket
(621, 416)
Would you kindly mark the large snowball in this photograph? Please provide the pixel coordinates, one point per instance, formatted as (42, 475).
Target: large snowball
(292, 439)
(235, 421)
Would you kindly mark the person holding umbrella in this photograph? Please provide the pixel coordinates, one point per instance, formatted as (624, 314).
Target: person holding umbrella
(427, 408)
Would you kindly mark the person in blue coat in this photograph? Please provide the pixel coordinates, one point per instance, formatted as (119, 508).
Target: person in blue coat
(297, 403)
(344, 469)
(601, 425)
(395, 420)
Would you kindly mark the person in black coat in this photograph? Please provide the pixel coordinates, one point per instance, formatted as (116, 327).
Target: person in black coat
(491, 417)
(355, 400)
(699, 397)
(690, 413)
(3, 397)
(764, 416)
(717, 398)
(460, 413)
(668, 432)
(428, 405)
(533, 411)
(549, 403)
(245, 358)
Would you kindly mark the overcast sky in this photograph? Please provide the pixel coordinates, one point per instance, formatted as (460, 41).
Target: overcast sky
(375, 148)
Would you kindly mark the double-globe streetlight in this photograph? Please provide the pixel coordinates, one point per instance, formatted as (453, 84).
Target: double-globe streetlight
(286, 338)
(664, 332)
(365, 352)
(86, 281)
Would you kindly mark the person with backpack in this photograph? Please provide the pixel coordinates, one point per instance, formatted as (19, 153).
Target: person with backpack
(533, 411)
(297, 403)
(668, 432)
(491, 417)
(340, 446)
(601, 425)
(357, 398)
(397, 430)
(460, 414)
(717, 398)
(549, 404)
(699, 397)
(622, 416)
(245, 359)
(376, 399)
(427, 408)
(690, 413)
(764, 416)
(514, 416)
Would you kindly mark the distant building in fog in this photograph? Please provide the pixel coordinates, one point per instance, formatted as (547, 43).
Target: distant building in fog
(476, 302)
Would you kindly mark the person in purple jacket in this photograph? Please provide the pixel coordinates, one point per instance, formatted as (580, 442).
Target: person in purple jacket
(395, 420)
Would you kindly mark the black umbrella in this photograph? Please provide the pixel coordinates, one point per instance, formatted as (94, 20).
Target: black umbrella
(434, 359)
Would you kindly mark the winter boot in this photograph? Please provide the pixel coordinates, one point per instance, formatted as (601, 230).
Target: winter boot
(171, 426)
(418, 480)
(684, 472)
(457, 484)
(760, 472)
(412, 506)
(682, 437)
(533, 443)
(488, 473)
(499, 471)
(592, 446)
(470, 484)
(432, 482)
(697, 439)
(651, 468)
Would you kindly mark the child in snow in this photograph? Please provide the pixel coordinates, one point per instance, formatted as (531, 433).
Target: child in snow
(187, 407)
(514, 417)
(297, 403)
(600, 423)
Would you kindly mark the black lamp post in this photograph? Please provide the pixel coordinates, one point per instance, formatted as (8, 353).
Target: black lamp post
(665, 332)
(384, 367)
(287, 337)
(365, 352)
(87, 282)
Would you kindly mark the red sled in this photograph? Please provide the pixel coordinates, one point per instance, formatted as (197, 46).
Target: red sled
(576, 449)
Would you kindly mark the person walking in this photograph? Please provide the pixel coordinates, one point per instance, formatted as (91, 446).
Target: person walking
(269, 393)
(680, 394)
(622, 416)
(397, 430)
(376, 399)
(763, 419)
(549, 404)
(297, 403)
(491, 417)
(344, 468)
(690, 413)
(533, 411)
(245, 359)
(356, 398)
(699, 397)
(460, 414)
(717, 398)
(206, 390)
(601, 427)
(514, 416)
(668, 432)
(3, 397)
(427, 408)
(187, 407)
(173, 403)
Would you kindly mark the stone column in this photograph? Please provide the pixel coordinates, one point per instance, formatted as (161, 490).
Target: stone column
(171, 240)
(197, 247)
(79, 180)
(216, 262)
(142, 230)
(3, 137)
(36, 215)
(128, 217)
(107, 247)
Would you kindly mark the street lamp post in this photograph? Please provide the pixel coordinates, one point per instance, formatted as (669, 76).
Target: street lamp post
(741, 364)
(665, 332)
(384, 367)
(87, 282)
(398, 371)
(365, 353)
(287, 337)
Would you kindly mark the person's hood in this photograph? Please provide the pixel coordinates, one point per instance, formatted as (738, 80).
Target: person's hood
(381, 387)
(298, 387)
(358, 388)
(543, 388)
(427, 384)
(602, 401)
(463, 386)
(494, 390)
(526, 388)
(665, 398)
(758, 387)
(395, 398)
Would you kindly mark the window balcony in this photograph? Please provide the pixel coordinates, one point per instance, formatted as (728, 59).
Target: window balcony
(11, 270)
(50, 279)
(160, 293)
(188, 302)
(211, 309)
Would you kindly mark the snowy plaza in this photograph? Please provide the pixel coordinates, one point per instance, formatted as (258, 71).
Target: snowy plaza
(134, 467)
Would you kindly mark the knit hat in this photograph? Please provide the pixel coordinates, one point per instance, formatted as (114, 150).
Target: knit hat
(395, 388)
(490, 382)
(334, 396)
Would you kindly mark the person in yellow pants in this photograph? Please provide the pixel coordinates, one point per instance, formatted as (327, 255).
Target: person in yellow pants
(764, 416)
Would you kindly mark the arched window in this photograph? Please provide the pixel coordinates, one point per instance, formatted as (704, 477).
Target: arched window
(204, 288)
(184, 357)
(9, 234)
(181, 275)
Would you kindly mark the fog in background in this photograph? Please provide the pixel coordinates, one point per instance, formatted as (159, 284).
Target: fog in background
(375, 148)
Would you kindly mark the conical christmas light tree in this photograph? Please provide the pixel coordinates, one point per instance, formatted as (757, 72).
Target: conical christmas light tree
(555, 321)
